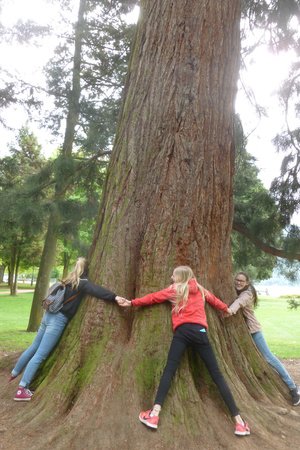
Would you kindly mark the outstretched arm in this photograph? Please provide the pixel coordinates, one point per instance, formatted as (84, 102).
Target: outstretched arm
(216, 302)
(97, 291)
(244, 299)
(156, 297)
(150, 299)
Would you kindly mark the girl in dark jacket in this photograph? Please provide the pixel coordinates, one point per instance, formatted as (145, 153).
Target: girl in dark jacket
(53, 325)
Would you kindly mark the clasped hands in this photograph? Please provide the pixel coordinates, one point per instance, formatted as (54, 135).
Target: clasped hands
(123, 302)
(228, 313)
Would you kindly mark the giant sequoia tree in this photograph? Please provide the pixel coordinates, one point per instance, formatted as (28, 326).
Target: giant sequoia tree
(167, 201)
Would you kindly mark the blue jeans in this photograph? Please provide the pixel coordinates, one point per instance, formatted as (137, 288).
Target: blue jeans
(271, 359)
(48, 335)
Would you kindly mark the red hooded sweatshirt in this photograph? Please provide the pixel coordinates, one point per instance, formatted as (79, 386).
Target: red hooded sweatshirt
(193, 312)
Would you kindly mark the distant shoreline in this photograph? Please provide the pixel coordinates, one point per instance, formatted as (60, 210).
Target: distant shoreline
(277, 290)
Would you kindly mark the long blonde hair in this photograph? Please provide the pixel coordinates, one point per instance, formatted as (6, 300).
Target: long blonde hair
(73, 277)
(182, 276)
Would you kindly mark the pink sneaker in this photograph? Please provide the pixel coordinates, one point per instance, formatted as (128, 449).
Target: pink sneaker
(23, 395)
(147, 419)
(242, 430)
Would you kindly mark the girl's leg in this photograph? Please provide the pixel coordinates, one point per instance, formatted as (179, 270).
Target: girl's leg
(55, 324)
(30, 351)
(272, 360)
(178, 345)
(205, 351)
(177, 348)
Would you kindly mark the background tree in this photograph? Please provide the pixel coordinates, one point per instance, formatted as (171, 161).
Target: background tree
(254, 209)
(13, 90)
(275, 24)
(21, 213)
(78, 87)
(261, 231)
(286, 187)
(2, 269)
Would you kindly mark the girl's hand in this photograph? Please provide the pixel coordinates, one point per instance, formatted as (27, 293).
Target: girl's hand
(122, 301)
(228, 313)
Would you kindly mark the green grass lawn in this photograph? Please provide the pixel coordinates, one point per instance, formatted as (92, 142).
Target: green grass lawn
(281, 326)
(14, 314)
(5, 287)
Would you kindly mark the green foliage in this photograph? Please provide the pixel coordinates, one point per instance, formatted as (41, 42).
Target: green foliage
(289, 269)
(250, 259)
(23, 32)
(278, 22)
(273, 18)
(21, 212)
(293, 303)
(255, 208)
(103, 39)
(105, 43)
(253, 203)
(286, 187)
(106, 40)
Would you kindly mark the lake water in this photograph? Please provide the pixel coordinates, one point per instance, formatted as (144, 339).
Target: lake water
(277, 290)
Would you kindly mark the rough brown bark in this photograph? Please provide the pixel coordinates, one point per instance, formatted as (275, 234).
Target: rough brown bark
(168, 201)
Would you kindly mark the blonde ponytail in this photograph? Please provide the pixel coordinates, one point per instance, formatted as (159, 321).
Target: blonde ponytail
(73, 277)
(182, 276)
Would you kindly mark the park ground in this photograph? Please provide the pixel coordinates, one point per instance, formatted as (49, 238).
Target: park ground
(8, 408)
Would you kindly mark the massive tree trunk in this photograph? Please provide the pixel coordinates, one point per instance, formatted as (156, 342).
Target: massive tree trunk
(167, 201)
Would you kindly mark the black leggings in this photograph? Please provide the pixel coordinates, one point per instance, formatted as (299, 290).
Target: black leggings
(185, 335)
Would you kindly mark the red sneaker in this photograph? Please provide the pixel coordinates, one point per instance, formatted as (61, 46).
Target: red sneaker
(242, 430)
(23, 395)
(147, 419)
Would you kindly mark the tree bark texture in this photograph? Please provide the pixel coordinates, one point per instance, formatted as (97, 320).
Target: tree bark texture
(167, 201)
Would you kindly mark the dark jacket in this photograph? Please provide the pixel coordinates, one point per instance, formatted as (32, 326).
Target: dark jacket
(85, 287)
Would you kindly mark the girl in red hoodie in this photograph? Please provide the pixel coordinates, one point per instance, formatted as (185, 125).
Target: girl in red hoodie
(190, 329)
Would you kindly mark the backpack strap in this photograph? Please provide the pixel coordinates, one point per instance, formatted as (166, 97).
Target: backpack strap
(70, 299)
